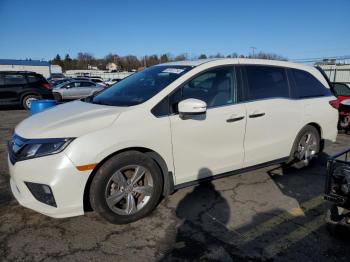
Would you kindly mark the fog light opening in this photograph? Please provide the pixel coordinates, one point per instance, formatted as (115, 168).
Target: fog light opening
(42, 193)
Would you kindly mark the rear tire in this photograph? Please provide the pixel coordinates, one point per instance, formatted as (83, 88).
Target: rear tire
(126, 187)
(57, 97)
(305, 148)
(27, 101)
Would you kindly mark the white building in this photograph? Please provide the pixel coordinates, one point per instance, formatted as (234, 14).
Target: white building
(104, 75)
(111, 66)
(40, 67)
(337, 73)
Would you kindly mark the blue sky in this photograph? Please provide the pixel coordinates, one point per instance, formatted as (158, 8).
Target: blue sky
(39, 29)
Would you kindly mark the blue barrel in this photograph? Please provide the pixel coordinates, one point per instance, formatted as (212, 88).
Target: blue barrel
(38, 106)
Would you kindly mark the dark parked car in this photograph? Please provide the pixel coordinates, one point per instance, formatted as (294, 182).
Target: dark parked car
(22, 87)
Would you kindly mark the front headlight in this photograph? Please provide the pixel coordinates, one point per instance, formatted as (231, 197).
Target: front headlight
(33, 148)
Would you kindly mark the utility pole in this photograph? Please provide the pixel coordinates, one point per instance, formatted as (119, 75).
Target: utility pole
(253, 50)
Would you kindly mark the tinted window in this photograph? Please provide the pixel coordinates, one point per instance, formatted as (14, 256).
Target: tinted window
(339, 89)
(86, 84)
(13, 79)
(33, 78)
(307, 85)
(266, 82)
(90, 84)
(1, 80)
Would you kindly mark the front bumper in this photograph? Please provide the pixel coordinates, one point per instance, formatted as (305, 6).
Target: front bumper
(58, 172)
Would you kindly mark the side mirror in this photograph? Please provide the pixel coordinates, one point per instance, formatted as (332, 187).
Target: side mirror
(192, 106)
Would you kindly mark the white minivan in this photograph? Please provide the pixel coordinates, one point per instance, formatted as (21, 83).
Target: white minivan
(169, 126)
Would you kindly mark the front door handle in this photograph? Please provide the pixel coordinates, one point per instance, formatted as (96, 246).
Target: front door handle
(234, 119)
(256, 115)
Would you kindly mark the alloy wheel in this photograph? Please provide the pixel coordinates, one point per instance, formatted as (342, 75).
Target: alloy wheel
(307, 147)
(129, 189)
(29, 101)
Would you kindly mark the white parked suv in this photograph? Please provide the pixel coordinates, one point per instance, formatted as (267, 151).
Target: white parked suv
(166, 127)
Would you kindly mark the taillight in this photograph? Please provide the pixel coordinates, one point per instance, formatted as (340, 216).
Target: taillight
(334, 103)
(46, 85)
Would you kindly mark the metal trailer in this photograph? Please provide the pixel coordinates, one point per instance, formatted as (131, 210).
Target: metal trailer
(337, 191)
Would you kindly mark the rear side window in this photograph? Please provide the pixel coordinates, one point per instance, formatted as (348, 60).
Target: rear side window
(307, 85)
(266, 82)
(339, 89)
(14, 79)
(33, 78)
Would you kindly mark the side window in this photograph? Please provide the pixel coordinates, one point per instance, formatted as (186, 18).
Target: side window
(307, 85)
(340, 89)
(1, 80)
(216, 87)
(32, 78)
(70, 85)
(84, 84)
(13, 79)
(266, 82)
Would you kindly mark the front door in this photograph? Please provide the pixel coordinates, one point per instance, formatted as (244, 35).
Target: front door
(212, 143)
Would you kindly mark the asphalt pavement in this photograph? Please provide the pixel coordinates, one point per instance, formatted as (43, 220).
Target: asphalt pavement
(271, 214)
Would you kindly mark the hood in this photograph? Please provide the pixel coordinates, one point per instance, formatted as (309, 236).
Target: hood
(72, 119)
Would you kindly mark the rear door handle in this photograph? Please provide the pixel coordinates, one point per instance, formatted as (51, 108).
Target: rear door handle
(234, 119)
(256, 115)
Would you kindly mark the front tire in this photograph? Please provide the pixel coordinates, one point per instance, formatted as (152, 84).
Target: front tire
(126, 187)
(306, 147)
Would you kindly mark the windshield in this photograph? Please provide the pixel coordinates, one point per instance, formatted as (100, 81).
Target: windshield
(140, 86)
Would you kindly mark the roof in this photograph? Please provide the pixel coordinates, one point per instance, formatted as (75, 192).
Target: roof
(220, 61)
(23, 62)
(189, 62)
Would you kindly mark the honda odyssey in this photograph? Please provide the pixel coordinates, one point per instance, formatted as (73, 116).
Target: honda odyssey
(169, 126)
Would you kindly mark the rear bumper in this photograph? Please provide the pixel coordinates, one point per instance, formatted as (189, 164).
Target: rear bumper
(47, 96)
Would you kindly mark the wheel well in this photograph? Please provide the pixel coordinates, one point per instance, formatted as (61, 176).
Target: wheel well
(27, 94)
(318, 128)
(168, 182)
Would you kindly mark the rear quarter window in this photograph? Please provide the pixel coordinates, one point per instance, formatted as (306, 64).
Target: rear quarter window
(306, 85)
(34, 78)
(340, 89)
